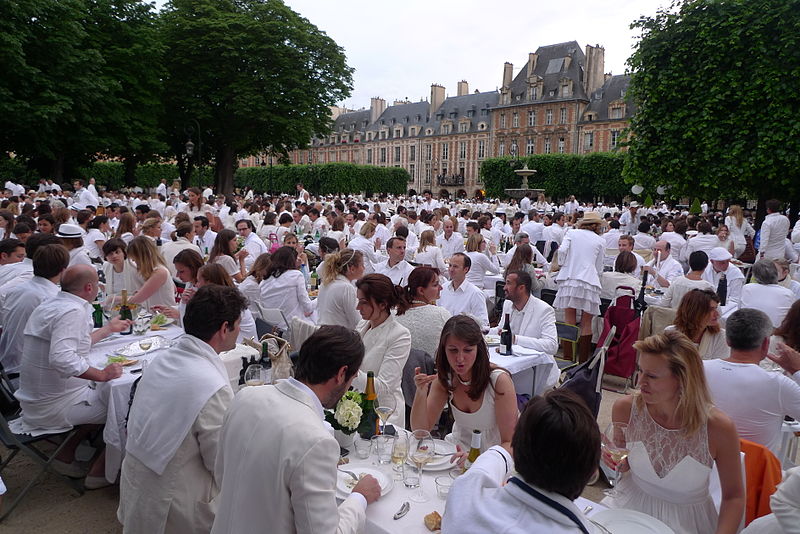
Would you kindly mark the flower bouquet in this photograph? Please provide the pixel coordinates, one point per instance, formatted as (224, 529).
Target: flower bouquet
(239, 243)
(348, 413)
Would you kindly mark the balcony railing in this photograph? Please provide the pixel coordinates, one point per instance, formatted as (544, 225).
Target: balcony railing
(453, 180)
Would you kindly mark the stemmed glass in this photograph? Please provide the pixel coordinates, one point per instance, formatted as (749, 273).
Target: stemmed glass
(399, 454)
(615, 444)
(254, 375)
(421, 452)
(385, 406)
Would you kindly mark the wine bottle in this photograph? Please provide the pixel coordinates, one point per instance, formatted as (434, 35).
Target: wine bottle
(369, 419)
(314, 280)
(126, 313)
(506, 337)
(474, 449)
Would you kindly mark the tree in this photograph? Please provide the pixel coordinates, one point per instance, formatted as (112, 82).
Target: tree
(718, 114)
(255, 76)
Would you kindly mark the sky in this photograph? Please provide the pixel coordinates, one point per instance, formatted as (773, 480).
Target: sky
(399, 48)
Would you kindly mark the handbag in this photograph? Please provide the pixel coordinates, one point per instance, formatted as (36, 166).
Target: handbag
(749, 254)
(278, 350)
(585, 380)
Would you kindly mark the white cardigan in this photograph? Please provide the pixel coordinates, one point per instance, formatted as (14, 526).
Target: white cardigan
(581, 257)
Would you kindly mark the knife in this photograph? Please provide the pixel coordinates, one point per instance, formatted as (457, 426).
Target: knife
(402, 511)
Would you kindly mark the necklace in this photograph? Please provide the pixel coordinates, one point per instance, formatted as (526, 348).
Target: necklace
(467, 383)
(419, 302)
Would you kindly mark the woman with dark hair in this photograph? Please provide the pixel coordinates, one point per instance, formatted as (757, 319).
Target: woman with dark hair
(624, 266)
(96, 236)
(481, 395)
(213, 274)
(284, 286)
(419, 313)
(46, 224)
(126, 230)
(789, 330)
(251, 285)
(224, 253)
(187, 263)
(386, 342)
(197, 204)
(697, 318)
(116, 270)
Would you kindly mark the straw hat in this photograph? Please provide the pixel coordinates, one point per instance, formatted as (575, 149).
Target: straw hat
(590, 217)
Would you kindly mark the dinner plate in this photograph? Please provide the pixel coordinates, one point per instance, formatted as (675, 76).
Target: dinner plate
(441, 462)
(133, 349)
(168, 322)
(620, 521)
(345, 483)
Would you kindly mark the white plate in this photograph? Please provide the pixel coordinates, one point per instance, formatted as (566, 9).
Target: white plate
(169, 321)
(441, 462)
(133, 349)
(620, 521)
(343, 479)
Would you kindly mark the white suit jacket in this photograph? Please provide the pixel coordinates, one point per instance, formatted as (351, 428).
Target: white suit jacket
(537, 329)
(276, 463)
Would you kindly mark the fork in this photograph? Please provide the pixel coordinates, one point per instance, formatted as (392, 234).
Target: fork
(346, 472)
(602, 528)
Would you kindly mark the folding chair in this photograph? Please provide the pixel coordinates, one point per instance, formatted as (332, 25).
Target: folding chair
(549, 296)
(499, 296)
(276, 317)
(569, 333)
(26, 444)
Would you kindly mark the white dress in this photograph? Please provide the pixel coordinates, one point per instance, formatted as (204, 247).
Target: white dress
(581, 255)
(425, 324)
(484, 419)
(668, 477)
(164, 295)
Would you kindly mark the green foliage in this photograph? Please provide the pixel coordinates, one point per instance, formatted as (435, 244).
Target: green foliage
(253, 73)
(648, 202)
(324, 179)
(596, 175)
(14, 169)
(112, 174)
(695, 208)
(718, 114)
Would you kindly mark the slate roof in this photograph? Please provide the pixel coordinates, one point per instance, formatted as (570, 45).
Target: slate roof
(550, 67)
(614, 88)
(455, 108)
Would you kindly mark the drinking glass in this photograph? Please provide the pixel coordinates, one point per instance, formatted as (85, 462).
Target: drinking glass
(363, 447)
(615, 444)
(254, 375)
(399, 454)
(443, 484)
(421, 451)
(385, 406)
(383, 448)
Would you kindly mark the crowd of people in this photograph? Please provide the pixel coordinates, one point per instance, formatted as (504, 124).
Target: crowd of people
(398, 275)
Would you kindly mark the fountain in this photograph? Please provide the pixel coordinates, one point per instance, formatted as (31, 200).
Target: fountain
(525, 173)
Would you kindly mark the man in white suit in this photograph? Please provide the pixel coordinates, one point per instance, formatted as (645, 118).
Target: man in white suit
(277, 460)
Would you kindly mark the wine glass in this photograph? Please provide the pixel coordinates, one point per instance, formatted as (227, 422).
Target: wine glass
(145, 344)
(614, 442)
(421, 452)
(384, 406)
(254, 375)
(399, 454)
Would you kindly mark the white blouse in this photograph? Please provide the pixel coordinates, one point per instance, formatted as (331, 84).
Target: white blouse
(337, 303)
(287, 292)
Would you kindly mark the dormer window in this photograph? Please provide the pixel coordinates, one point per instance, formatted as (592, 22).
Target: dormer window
(463, 127)
(398, 132)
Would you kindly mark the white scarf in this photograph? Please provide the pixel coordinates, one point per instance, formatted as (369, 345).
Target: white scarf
(177, 384)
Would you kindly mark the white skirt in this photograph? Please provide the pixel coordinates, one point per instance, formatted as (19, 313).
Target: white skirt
(579, 295)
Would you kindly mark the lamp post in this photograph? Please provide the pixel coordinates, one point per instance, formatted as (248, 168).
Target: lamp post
(190, 146)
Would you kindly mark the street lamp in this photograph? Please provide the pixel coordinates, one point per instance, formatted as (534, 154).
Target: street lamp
(190, 146)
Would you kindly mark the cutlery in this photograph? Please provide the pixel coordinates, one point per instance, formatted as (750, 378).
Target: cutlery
(602, 528)
(403, 510)
(346, 472)
(588, 509)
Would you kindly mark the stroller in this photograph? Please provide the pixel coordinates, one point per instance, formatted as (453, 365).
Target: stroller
(622, 321)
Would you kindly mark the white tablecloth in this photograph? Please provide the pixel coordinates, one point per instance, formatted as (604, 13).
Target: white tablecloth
(529, 369)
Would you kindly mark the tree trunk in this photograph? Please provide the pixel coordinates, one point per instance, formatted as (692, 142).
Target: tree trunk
(130, 171)
(761, 211)
(226, 160)
(794, 211)
(58, 167)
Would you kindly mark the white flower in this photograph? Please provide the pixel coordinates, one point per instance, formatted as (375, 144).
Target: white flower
(348, 414)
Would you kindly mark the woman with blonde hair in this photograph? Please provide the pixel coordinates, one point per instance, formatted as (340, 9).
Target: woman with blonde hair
(581, 257)
(697, 318)
(483, 261)
(337, 300)
(151, 228)
(675, 436)
(151, 280)
(363, 242)
(740, 229)
(428, 253)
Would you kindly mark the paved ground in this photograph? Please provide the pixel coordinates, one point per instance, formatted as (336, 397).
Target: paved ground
(54, 508)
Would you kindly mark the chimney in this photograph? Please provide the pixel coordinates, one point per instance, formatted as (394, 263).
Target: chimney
(508, 72)
(607, 76)
(595, 68)
(437, 97)
(463, 88)
(532, 59)
(377, 106)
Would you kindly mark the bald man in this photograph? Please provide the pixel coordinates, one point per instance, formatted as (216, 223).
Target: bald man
(55, 374)
(663, 268)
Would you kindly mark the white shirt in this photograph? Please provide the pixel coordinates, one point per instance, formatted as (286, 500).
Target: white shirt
(90, 242)
(534, 326)
(554, 232)
(18, 305)
(734, 276)
(774, 230)
(628, 223)
(535, 231)
(612, 238)
(367, 249)
(704, 242)
(255, 247)
(288, 293)
(774, 300)
(452, 245)
(399, 273)
(467, 299)
(676, 243)
(56, 348)
(206, 243)
(79, 256)
(14, 274)
(669, 269)
(679, 287)
(758, 414)
(481, 263)
(337, 302)
(643, 241)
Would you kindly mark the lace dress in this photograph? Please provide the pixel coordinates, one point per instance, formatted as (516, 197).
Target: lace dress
(668, 477)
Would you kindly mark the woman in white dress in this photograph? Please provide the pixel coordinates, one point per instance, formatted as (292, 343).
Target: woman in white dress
(337, 232)
(740, 229)
(96, 236)
(251, 285)
(215, 274)
(386, 342)
(419, 313)
(116, 269)
(428, 253)
(187, 263)
(224, 253)
(126, 229)
(481, 395)
(481, 261)
(197, 204)
(725, 239)
(151, 280)
(581, 257)
(697, 318)
(337, 299)
(284, 286)
(675, 435)
(363, 243)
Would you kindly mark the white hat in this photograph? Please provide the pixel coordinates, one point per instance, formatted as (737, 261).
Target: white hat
(633, 204)
(69, 230)
(719, 254)
(500, 211)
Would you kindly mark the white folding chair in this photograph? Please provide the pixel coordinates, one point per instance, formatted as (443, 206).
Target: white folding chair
(275, 316)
